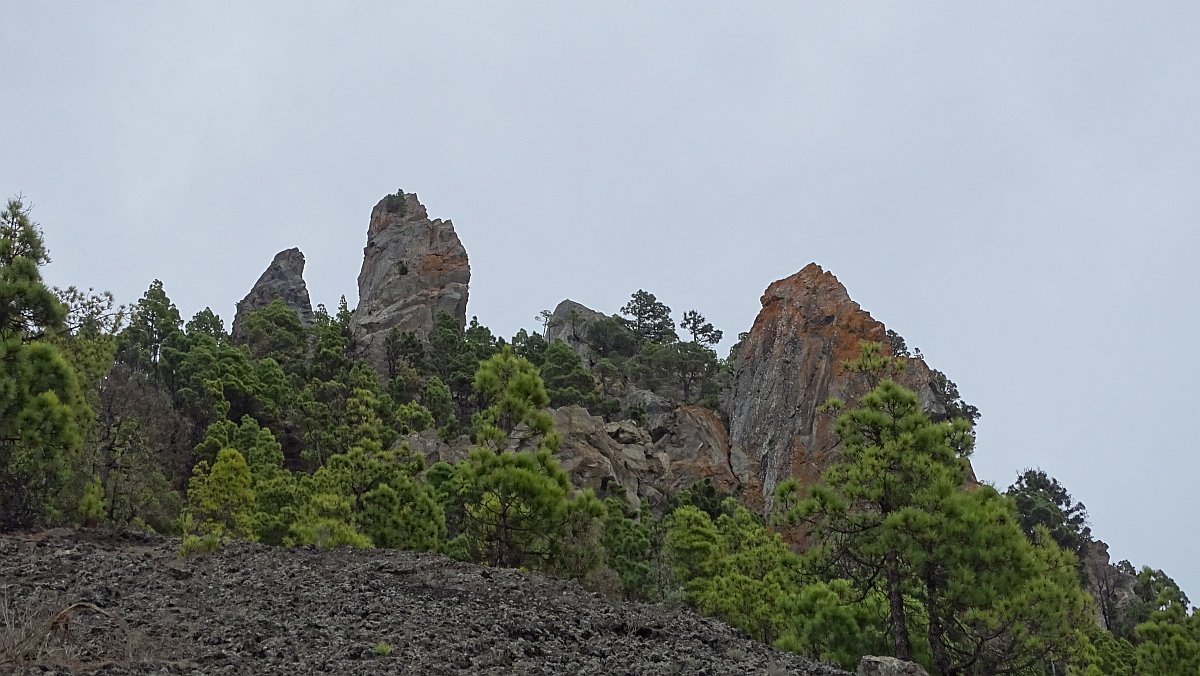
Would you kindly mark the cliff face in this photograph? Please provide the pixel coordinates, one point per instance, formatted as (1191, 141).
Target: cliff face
(788, 366)
(284, 279)
(413, 268)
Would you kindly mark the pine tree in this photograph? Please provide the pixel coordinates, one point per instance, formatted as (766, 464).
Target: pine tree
(566, 379)
(702, 331)
(511, 396)
(649, 319)
(1169, 642)
(894, 519)
(41, 407)
(1042, 501)
(220, 497)
(154, 320)
(276, 332)
(608, 337)
(515, 506)
(403, 348)
(530, 346)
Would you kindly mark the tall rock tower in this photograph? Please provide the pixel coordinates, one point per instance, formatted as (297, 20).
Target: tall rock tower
(413, 268)
(789, 365)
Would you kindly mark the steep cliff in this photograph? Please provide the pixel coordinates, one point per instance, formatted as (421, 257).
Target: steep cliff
(413, 268)
(283, 279)
(788, 366)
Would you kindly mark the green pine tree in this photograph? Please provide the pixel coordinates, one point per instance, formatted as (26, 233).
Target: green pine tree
(42, 410)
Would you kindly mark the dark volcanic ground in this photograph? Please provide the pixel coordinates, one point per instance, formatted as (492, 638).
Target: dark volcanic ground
(250, 609)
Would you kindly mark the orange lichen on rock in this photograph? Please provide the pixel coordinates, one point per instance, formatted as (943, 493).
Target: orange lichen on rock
(790, 364)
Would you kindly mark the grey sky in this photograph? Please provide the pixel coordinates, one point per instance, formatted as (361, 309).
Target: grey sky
(1012, 187)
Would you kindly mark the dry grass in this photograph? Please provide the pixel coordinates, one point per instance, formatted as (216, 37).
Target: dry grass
(72, 635)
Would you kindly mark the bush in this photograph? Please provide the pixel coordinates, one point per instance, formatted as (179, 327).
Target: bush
(199, 544)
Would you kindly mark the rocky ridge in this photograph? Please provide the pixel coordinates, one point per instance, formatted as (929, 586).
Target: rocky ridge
(413, 268)
(283, 279)
(788, 366)
(252, 609)
(770, 426)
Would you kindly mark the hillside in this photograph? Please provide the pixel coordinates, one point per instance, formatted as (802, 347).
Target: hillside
(814, 488)
(267, 610)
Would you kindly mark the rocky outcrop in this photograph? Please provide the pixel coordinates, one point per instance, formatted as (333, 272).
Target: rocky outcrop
(625, 460)
(595, 460)
(888, 666)
(788, 366)
(413, 269)
(569, 323)
(1110, 587)
(283, 279)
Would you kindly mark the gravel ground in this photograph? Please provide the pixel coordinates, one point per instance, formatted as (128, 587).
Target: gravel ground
(127, 604)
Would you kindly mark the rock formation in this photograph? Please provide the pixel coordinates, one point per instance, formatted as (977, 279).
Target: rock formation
(888, 666)
(413, 268)
(621, 459)
(569, 323)
(788, 366)
(684, 447)
(1111, 588)
(284, 279)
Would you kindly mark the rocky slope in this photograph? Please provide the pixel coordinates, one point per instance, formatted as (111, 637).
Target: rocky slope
(250, 609)
(413, 268)
(284, 279)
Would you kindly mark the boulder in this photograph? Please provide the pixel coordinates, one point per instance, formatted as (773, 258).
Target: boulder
(656, 408)
(283, 279)
(889, 666)
(431, 446)
(595, 460)
(789, 365)
(413, 268)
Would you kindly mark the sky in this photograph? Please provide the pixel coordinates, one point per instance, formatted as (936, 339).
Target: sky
(1010, 186)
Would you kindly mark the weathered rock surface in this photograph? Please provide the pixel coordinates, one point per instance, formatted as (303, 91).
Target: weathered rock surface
(788, 366)
(283, 279)
(595, 460)
(1109, 587)
(696, 447)
(693, 446)
(413, 268)
(251, 609)
(888, 666)
(569, 323)
(656, 408)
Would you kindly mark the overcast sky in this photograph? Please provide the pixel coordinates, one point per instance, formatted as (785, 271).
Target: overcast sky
(1011, 186)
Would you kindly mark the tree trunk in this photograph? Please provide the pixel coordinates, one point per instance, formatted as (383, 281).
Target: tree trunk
(901, 643)
(941, 658)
